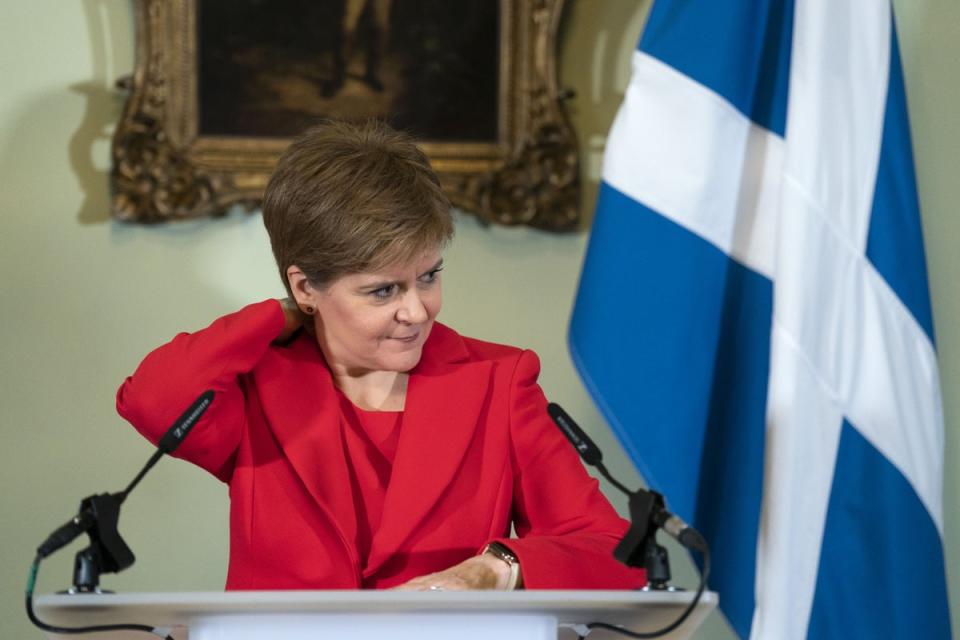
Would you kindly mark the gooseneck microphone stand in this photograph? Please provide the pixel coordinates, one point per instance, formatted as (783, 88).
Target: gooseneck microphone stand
(98, 517)
(639, 547)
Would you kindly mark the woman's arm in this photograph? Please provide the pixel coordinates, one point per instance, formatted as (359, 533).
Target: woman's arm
(175, 374)
(566, 528)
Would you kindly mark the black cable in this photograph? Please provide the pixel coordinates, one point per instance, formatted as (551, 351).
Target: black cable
(704, 575)
(34, 568)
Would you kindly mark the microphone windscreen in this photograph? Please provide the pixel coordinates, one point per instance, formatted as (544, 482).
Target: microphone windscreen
(182, 426)
(590, 453)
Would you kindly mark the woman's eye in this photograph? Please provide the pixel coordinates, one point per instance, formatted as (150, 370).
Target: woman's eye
(383, 292)
(430, 276)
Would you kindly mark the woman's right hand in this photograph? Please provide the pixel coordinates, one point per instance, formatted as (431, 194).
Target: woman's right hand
(294, 319)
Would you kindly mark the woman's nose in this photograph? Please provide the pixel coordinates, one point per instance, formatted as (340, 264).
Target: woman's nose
(412, 309)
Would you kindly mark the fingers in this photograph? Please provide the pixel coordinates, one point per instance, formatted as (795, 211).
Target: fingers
(473, 573)
(436, 582)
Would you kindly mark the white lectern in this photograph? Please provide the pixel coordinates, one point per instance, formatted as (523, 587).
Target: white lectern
(369, 615)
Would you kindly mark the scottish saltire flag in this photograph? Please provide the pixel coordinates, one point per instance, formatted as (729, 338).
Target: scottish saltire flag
(753, 317)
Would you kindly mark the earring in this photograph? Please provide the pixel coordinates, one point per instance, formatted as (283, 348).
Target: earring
(308, 310)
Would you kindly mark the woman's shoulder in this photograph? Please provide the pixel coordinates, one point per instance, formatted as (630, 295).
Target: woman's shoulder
(449, 342)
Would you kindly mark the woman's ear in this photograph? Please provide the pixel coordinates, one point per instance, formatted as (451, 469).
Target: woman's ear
(303, 292)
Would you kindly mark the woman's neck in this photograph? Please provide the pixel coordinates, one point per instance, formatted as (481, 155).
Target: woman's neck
(373, 390)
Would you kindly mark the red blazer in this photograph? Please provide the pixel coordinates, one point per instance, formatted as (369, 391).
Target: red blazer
(476, 453)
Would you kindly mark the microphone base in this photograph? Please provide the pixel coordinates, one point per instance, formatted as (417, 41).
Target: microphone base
(639, 547)
(657, 565)
(86, 571)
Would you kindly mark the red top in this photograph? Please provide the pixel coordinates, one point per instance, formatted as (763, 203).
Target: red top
(370, 438)
(476, 453)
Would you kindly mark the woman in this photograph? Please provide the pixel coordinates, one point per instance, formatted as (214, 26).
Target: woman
(365, 444)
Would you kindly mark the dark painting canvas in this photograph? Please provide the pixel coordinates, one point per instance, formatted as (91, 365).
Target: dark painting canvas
(270, 68)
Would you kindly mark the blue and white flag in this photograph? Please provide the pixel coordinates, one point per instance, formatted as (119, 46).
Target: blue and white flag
(754, 320)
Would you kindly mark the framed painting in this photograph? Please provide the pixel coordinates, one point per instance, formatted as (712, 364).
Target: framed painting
(220, 87)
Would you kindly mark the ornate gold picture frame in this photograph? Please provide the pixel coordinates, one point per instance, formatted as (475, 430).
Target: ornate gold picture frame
(167, 167)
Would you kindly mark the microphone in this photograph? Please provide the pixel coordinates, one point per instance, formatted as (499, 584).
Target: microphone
(638, 547)
(182, 426)
(101, 511)
(589, 451)
(675, 527)
(97, 517)
(176, 434)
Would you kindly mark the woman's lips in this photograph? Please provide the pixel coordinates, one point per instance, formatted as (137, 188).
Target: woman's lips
(410, 338)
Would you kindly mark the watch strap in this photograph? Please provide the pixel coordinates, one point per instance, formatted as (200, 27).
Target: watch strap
(502, 552)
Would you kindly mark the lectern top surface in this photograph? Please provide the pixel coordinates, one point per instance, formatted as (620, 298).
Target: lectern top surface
(202, 601)
(619, 607)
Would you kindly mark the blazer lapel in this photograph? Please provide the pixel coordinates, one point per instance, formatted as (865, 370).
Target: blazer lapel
(441, 411)
(307, 426)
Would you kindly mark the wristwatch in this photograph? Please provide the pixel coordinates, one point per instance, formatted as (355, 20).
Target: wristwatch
(498, 550)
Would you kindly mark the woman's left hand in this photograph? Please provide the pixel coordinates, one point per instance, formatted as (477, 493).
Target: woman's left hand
(479, 572)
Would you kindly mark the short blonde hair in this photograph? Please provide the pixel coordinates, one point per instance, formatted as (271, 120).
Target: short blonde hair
(347, 198)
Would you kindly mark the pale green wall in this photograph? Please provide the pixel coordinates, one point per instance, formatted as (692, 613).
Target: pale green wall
(84, 298)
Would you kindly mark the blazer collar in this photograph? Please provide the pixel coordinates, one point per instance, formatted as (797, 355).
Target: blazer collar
(299, 400)
(441, 414)
(444, 346)
(445, 395)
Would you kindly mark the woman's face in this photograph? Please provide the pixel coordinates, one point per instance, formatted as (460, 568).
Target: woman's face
(378, 321)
